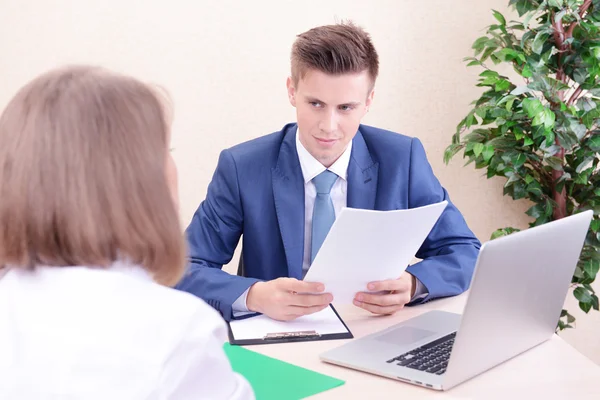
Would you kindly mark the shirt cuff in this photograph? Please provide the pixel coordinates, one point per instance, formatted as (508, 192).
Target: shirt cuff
(239, 306)
(420, 291)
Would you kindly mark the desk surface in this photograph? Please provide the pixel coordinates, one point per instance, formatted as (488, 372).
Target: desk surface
(552, 370)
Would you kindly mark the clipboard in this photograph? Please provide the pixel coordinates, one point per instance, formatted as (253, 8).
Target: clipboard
(260, 329)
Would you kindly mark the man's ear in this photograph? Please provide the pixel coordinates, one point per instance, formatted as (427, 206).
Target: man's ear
(291, 89)
(369, 100)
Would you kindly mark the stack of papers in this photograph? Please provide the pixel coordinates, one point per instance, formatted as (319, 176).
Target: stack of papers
(366, 245)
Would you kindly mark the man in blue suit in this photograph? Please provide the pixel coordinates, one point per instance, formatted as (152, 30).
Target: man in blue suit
(283, 190)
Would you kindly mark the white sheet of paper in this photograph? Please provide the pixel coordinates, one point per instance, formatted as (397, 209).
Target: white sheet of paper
(366, 245)
(323, 322)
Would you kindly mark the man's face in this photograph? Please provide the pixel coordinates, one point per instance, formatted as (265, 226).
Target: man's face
(329, 110)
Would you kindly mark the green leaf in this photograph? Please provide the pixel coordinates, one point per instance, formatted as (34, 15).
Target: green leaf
(549, 118)
(479, 44)
(579, 129)
(539, 119)
(488, 51)
(589, 118)
(555, 3)
(523, 6)
(550, 137)
(519, 191)
(585, 164)
(499, 17)
(477, 149)
(489, 72)
(559, 16)
(521, 90)
(595, 225)
(536, 211)
(594, 142)
(519, 160)
(535, 189)
(567, 139)
(586, 103)
(507, 54)
(549, 207)
(583, 295)
(586, 307)
(502, 85)
(509, 104)
(527, 142)
(538, 42)
(470, 120)
(503, 232)
(555, 162)
(591, 268)
(580, 75)
(488, 152)
(583, 177)
(532, 107)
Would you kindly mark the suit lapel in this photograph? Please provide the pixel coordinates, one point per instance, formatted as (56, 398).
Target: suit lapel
(362, 176)
(288, 193)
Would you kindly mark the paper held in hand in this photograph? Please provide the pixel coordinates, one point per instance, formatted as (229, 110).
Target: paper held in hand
(366, 245)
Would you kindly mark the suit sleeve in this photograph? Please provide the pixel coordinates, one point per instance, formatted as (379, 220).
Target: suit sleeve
(212, 237)
(450, 250)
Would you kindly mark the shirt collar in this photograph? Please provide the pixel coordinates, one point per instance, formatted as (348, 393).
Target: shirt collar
(311, 167)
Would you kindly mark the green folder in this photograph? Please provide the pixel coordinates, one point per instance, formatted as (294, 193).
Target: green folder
(274, 379)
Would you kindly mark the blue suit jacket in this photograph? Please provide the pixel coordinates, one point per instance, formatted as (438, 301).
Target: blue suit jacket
(258, 190)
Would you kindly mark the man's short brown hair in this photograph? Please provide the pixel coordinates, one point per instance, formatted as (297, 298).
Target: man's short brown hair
(82, 175)
(334, 49)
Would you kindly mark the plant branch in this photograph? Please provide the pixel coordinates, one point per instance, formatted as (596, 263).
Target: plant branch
(559, 40)
(582, 10)
(574, 96)
(539, 168)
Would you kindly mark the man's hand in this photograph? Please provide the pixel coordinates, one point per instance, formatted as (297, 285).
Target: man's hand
(395, 294)
(280, 299)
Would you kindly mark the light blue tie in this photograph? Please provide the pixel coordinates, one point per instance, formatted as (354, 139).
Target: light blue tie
(323, 213)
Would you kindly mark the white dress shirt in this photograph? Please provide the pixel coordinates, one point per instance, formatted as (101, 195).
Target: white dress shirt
(84, 333)
(311, 167)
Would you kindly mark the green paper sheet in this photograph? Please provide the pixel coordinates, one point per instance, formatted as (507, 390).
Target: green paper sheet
(274, 379)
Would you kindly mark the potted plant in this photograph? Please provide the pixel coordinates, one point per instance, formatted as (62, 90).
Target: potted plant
(539, 128)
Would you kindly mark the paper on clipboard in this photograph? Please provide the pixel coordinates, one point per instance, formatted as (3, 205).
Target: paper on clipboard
(324, 322)
(366, 245)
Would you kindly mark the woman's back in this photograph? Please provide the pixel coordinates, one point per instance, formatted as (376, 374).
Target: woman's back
(87, 179)
(77, 332)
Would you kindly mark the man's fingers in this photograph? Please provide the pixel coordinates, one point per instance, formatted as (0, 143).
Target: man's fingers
(296, 311)
(400, 284)
(311, 300)
(294, 285)
(383, 299)
(375, 309)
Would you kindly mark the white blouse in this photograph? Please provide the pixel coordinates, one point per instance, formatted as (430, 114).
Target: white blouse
(84, 333)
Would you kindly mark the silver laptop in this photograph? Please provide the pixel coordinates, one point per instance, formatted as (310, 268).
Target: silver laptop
(516, 296)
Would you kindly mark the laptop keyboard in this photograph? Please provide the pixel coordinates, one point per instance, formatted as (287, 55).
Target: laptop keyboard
(432, 357)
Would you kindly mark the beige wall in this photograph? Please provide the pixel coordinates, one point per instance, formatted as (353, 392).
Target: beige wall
(225, 65)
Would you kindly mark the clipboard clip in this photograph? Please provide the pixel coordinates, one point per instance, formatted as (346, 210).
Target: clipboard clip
(291, 335)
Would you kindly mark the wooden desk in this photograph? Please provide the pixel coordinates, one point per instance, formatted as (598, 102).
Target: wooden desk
(552, 370)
